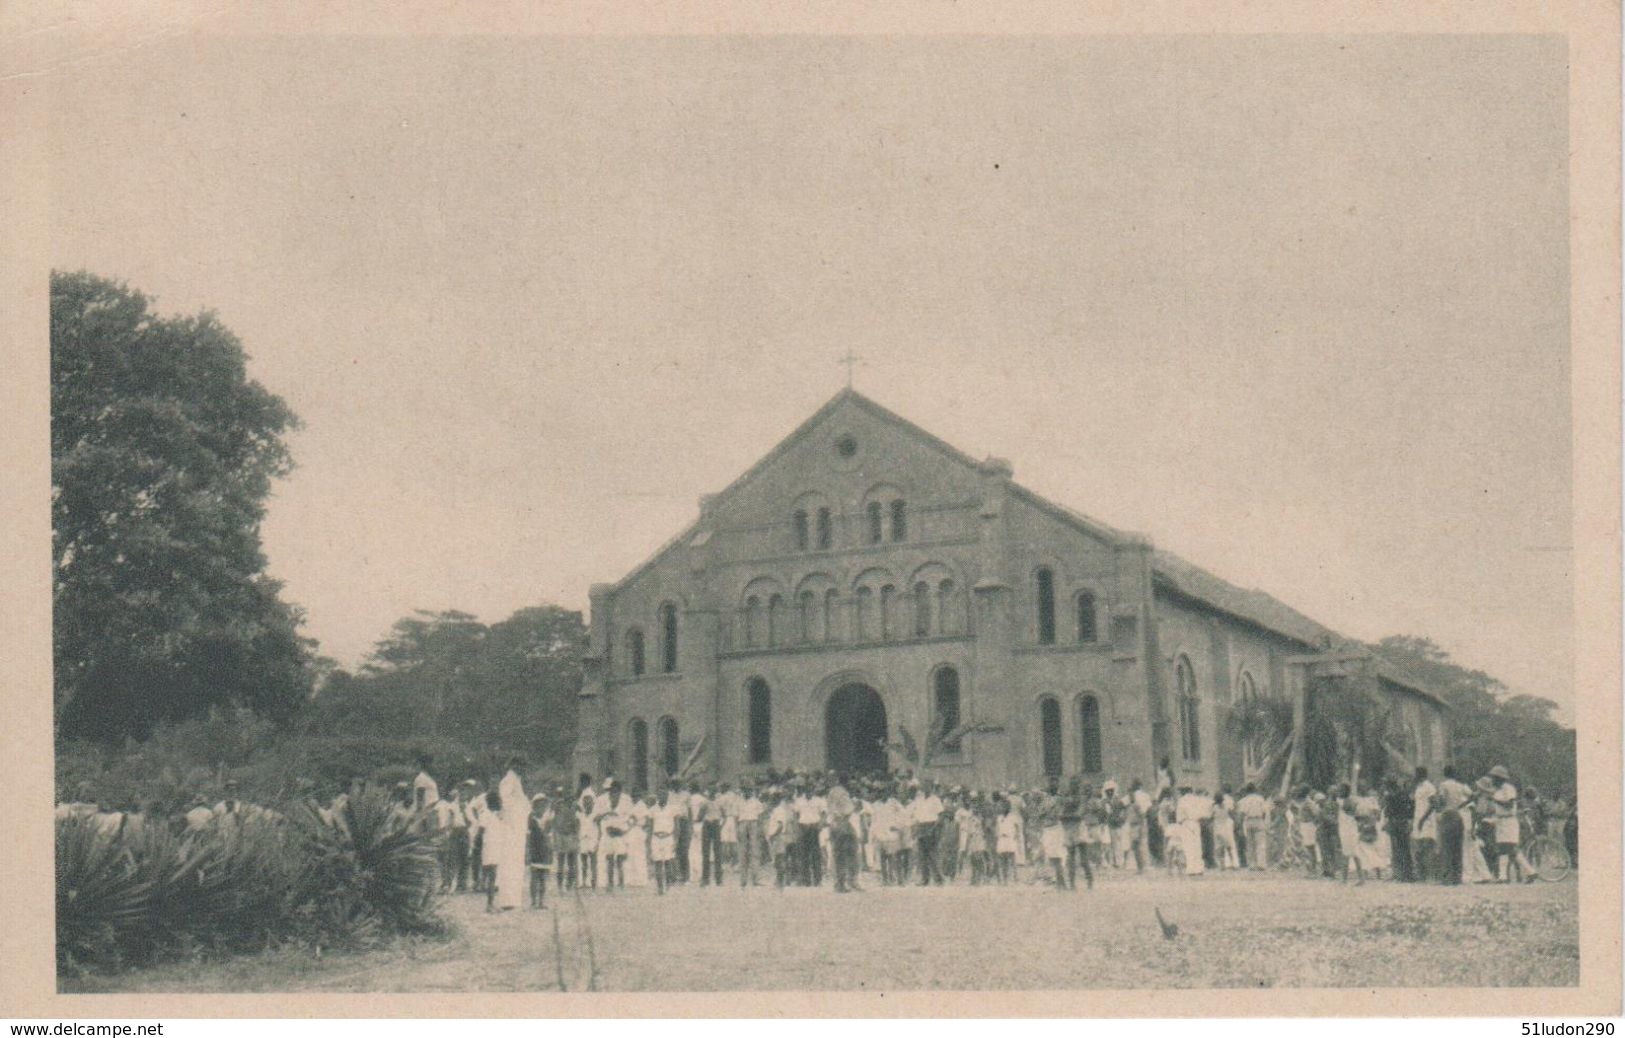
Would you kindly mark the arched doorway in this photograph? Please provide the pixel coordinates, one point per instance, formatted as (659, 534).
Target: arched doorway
(855, 730)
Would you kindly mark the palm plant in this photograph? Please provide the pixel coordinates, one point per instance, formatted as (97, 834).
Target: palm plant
(1266, 723)
(101, 894)
(367, 864)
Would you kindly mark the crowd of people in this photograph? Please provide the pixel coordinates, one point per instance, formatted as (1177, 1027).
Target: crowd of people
(810, 829)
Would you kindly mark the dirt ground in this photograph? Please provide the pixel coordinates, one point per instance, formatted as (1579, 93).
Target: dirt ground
(1235, 930)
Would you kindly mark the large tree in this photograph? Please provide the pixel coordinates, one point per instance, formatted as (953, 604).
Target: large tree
(163, 451)
(1488, 725)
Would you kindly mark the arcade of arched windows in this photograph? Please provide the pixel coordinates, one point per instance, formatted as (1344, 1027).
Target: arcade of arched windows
(875, 608)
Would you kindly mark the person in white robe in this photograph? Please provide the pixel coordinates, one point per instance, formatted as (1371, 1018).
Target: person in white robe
(505, 840)
(637, 843)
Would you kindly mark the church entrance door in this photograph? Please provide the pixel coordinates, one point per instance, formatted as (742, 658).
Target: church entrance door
(855, 730)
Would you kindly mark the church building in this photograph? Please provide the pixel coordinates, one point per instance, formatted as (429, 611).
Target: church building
(867, 596)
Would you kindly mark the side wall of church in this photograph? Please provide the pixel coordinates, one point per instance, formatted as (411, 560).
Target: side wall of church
(1221, 652)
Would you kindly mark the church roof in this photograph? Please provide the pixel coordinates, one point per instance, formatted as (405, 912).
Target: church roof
(1169, 570)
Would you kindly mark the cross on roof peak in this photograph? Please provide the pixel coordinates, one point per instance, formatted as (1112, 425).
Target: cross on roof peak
(850, 360)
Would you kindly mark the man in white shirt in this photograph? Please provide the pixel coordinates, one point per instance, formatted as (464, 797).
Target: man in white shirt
(452, 825)
(1425, 827)
(748, 815)
(1508, 833)
(706, 818)
(663, 839)
(478, 814)
(685, 830)
(809, 808)
(927, 818)
(1188, 810)
(1255, 816)
(425, 791)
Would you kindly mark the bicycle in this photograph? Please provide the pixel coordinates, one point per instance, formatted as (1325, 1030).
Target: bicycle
(1547, 857)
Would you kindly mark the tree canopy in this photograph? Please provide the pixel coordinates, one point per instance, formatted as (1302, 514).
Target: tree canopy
(163, 451)
(444, 675)
(1489, 726)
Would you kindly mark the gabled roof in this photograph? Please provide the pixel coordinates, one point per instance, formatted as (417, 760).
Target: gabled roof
(1168, 570)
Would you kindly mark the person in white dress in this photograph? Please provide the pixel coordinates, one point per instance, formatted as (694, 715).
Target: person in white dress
(507, 832)
(637, 841)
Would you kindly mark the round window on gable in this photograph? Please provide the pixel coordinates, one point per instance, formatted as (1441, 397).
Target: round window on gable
(847, 446)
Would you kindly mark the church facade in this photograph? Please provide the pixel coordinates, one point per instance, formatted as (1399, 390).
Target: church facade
(868, 596)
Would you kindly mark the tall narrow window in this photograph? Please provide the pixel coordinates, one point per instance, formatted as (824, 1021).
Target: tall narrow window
(1089, 734)
(876, 523)
(668, 638)
(806, 604)
(831, 632)
(922, 610)
(899, 521)
(945, 707)
(1049, 724)
(1247, 698)
(826, 533)
(760, 728)
(753, 622)
(634, 651)
(1087, 631)
(888, 611)
(1044, 586)
(801, 529)
(865, 622)
(947, 614)
(1190, 714)
(775, 620)
(670, 749)
(638, 732)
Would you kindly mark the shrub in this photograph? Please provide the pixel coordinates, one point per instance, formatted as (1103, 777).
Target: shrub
(103, 898)
(136, 894)
(369, 863)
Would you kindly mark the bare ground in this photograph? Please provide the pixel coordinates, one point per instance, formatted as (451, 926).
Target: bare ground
(1235, 930)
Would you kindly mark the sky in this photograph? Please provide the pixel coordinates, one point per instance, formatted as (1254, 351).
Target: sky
(1294, 307)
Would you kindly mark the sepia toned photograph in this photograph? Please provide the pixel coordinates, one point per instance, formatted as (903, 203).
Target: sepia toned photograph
(813, 513)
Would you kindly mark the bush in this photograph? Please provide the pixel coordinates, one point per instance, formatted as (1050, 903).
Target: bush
(141, 893)
(369, 864)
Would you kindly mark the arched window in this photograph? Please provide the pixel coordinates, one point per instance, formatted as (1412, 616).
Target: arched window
(1246, 697)
(775, 620)
(1087, 631)
(899, 521)
(668, 638)
(638, 733)
(947, 615)
(634, 651)
(1044, 588)
(807, 604)
(945, 707)
(865, 621)
(888, 606)
(670, 759)
(876, 522)
(830, 631)
(1089, 735)
(1049, 723)
(1190, 715)
(826, 533)
(753, 622)
(760, 727)
(922, 610)
(802, 533)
